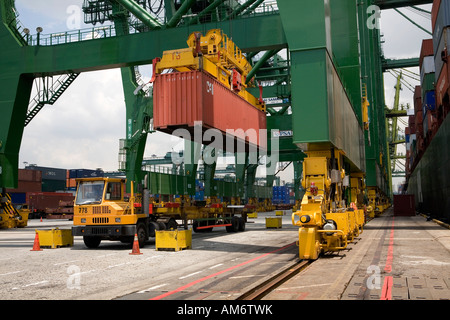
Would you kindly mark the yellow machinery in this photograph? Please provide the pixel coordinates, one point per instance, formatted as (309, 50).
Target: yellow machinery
(55, 238)
(274, 222)
(10, 217)
(377, 203)
(173, 239)
(326, 224)
(216, 54)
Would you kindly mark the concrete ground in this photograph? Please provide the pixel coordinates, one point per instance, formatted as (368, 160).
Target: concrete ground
(223, 264)
(394, 258)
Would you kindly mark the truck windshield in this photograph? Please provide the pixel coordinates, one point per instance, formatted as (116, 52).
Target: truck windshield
(90, 192)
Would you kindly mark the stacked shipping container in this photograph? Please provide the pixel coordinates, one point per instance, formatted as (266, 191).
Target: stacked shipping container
(431, 98)
(423, 125)
(38, 186)
(53, 179)
(440, 20)
(280, 195)
(73, 174)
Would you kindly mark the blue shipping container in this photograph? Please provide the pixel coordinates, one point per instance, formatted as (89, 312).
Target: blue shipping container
(280, 194)
(429, 102)
(18, 197)
(85, 173)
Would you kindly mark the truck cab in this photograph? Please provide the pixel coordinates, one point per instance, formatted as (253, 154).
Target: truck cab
(102, 213)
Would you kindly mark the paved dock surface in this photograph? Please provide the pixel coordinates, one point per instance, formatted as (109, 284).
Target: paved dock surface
(395, 258)
(219, 266)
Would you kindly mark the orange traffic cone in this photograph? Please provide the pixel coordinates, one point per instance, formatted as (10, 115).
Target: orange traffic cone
(135, 249)
(36, 245)
(41, 219)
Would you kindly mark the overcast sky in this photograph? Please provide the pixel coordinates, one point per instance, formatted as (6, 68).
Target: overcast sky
(82, 129)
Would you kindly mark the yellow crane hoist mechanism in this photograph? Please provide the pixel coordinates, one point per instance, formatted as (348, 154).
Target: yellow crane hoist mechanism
(215, 54)
(326, 224)
(10, 217)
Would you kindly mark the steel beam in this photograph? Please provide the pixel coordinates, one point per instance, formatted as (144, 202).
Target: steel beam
(391, 4)
(140, 13)
(208, 9)
(180, 12)
(260, 62)
(399, 63)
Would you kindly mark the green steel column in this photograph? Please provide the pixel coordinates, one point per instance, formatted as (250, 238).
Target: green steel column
(240, 162)
(250, 181)
(372, 77)
(14, 97)
(308, 69)
(321, 105)
(345, 43)
(209, 163)
(192, 152)
(298, 172)
(139, 111)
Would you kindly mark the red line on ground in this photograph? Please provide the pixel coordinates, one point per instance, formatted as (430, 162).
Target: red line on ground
(386, 291)
(390, 255)
(218, 273)
(215, 225)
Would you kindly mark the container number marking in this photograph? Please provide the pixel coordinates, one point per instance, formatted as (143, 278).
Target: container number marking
(210, 87)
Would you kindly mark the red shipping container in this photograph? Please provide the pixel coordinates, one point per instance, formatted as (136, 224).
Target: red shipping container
(418, 98)
(426, 50)
(182, 98)
(30, 175)
(434, 13)
(40, 201)
(404, 205)
(26, 186)
(442, 85)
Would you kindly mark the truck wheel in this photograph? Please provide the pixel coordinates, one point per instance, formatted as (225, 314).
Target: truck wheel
(91, 242)
(142, 234)
(172, 224)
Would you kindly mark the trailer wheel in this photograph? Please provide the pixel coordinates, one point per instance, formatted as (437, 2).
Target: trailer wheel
(241, 224)
(92, 242)
(234, 225)
(152, 228)
(142, 234)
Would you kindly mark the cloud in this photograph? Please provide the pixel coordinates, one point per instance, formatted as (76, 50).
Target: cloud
(82, 129)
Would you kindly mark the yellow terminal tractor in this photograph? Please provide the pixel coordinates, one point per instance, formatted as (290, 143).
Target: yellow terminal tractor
(326, 224)
(101, 212)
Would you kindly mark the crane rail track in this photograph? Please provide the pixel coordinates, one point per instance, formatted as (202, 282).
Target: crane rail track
(263, 289)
